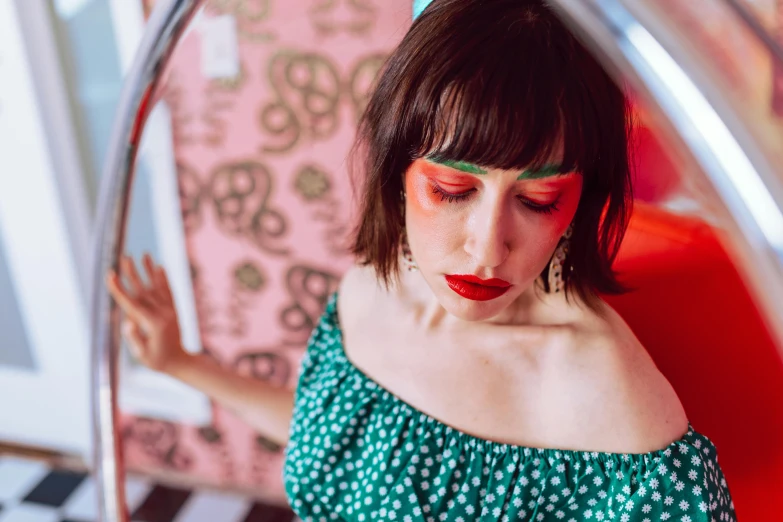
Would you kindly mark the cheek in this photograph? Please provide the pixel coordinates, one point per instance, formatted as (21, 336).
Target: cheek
(553, 227)
(422, 204)
(569, 202)
(419, 195)
(429, 219)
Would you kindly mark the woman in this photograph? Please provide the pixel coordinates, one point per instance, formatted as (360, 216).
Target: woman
(469, 369)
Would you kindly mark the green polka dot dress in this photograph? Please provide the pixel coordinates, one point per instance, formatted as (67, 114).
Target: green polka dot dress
(359, 453)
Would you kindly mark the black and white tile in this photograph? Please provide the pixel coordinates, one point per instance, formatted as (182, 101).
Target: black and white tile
(31, 491)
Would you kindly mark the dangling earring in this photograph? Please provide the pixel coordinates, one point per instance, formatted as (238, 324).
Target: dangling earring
(556, 283)
(407, 257)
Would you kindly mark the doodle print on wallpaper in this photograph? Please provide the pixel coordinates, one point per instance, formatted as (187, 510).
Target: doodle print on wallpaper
(173, 93)
(159, 440)
(264, 364)
(249, 281)
(307, 91)
(361, 81)
(356, 17)
(191, 192)
(240, 193)
(218, 103)
(207, 311)
(309, 288)
(250, 16)
(259, 460)
(312, 183)
(213, 437)
(212, 124)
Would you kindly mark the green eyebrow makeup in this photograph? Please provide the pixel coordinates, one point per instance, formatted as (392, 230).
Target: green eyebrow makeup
(544, 172)
(459, 165)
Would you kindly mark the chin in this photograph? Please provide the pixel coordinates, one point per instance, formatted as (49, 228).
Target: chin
(469, 310)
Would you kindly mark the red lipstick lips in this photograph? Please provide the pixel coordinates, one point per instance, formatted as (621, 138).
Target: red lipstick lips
(477, 289)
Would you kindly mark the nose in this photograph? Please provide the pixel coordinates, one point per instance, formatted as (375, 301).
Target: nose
(488, 236)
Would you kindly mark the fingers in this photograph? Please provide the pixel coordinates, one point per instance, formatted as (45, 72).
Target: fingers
(163, 283)
(159, 280)
(141, 299)
(154, 291)
(128, 268)
(133, 335)
(129, 304)
(149, 267)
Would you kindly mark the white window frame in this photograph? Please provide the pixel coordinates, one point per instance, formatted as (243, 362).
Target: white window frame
(44, 223)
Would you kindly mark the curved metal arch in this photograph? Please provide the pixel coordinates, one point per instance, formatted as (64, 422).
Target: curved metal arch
(715, 136)
(164, 30)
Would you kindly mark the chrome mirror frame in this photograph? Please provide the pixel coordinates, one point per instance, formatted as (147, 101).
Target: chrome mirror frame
(164, 29)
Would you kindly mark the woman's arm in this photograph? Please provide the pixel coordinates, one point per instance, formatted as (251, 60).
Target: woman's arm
(152, 330)
(264, 407)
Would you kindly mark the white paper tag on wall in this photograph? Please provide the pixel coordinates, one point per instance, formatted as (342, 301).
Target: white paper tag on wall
(219, 47)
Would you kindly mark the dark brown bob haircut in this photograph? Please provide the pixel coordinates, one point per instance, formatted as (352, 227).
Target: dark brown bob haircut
(500, 84)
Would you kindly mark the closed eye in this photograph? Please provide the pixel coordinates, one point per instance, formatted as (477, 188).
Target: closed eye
(547, 208)
(539, 208)
(450, 196)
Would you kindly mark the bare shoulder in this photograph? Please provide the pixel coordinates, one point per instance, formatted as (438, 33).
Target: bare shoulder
(356, 279)
(632, 406)
(358, 293)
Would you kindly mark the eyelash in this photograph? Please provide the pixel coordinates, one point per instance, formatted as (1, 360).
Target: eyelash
(455, 198)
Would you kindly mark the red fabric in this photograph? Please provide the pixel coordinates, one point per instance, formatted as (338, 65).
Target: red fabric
(692, 312)
(655, 176)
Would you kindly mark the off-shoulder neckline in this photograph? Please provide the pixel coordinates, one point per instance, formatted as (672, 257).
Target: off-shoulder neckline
(479, 442)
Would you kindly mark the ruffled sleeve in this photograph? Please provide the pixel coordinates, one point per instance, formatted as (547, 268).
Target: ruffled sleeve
(687, 485)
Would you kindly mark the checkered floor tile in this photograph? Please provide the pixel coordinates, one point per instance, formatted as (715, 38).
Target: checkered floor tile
(31, 491)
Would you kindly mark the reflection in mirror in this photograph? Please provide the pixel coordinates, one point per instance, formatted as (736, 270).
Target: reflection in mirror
(731, 39)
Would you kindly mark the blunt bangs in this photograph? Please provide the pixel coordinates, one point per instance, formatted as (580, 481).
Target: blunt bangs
(518, 103)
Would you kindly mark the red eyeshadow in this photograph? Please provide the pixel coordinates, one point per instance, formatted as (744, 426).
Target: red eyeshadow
(446, 176)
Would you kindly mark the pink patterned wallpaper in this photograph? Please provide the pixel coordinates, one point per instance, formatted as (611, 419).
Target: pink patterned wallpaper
(266, 202)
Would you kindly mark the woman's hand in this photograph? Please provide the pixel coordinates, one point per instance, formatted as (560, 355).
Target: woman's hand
(150, 323)
(151, 327)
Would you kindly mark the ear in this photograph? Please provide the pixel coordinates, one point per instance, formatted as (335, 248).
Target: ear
(419, 6)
